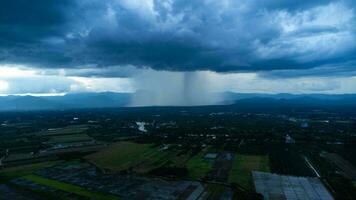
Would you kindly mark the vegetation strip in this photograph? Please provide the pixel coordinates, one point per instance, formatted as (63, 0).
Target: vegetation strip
(18, 171)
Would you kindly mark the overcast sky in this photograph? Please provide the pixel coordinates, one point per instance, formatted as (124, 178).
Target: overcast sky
(270, 46)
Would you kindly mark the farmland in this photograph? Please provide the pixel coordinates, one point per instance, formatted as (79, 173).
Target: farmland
(129, 156)
(69, 134)
(346, 168)
(19, 171)
(243, 165)
(69, 138)
(67, 130)
(197, 166)
(69, 188)
(142, 158)
(186, 153)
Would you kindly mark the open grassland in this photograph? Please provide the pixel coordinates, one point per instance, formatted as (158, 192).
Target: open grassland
(13, 172)
(140, 158)
(197, 166)
(242, 167)
(69, 188)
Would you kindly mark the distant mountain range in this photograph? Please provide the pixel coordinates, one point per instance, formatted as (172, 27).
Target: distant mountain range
(238, 96)
(115, 100)
(68, 101)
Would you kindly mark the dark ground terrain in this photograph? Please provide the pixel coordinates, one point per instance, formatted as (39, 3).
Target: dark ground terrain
(205, 152)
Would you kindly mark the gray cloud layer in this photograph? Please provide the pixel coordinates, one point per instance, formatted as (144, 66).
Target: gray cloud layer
(180, 35)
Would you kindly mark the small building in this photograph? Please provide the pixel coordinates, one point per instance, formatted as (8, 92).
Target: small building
(304, 125)
(289, 139)
(211, 156)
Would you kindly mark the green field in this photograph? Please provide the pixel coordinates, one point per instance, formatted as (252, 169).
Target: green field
(69, 188)
(13, 172)
(140, 158)
(197, 166)
(242, 167)
(68, 134)
(179, 160)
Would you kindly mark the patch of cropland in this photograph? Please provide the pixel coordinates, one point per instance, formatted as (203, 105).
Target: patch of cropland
(69, 139)
(289, 160)
(86, 179)
(346, 168)
(197, 166)
(243, 166)
(65, 136)
(144, 158)
(214, 191)
(23, 170)
(129, 156)
(65, 190)
(223, 162)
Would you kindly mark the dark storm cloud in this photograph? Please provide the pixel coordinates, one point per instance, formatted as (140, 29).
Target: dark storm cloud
(25, 22)
(180, 35)
(24, 25)
(342, 69)
(291, 5)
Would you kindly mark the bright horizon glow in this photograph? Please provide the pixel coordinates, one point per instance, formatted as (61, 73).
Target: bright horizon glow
(35, 95)
(8, 71)
(3, 85)
(22, 80)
